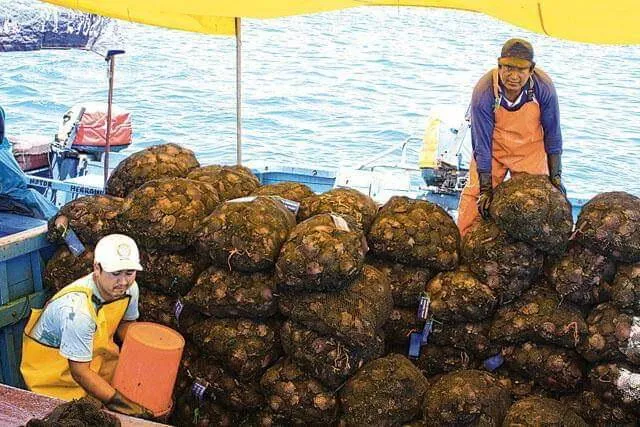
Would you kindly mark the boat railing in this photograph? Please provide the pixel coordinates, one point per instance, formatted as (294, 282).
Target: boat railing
(371, 164)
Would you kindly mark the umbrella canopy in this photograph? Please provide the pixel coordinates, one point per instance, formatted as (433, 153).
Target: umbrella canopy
(593, 21)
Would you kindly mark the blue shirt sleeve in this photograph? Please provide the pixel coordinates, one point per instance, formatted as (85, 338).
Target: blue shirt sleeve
(549, 113)
(482, 123)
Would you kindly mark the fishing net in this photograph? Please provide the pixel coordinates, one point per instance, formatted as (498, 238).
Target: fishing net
(323, 253)
(231, 182)
(610, 224)
(458, 296)
(472, 338)
(618, 384)
(159, 161)
(165, 214)
(325, 358)
(625, 292)
(385, 391)
(596, 412)
(90, 217)
(63, 267)
(298, 397)
(341, 201)
(172, 274)
(435, 359)
(468, 397)
(613, 335)
(246, 235)
(530, 209)
(245, 347)
(223, 293)
(539, 411)
(538, 316)
(295, 191)
(507, 266)
(415, 232)
(554, 368)
(578, 275)
(354, 315)
(407, 283)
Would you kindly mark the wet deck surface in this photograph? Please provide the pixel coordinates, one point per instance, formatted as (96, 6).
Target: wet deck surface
(18, 406)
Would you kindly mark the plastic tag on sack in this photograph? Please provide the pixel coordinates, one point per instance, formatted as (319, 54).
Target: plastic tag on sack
(426, 331)
(291, 205)
(177, 310)
(629, 384)
(73, 242)
(423, 306)
(494, 362)
(199, 391)
(340, 223)
(415, 342)
(242, 199)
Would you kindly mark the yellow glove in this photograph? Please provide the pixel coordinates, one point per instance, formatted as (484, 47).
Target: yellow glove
(119, 403)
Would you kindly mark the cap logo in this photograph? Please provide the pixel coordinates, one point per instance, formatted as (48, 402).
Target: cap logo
(124, 250)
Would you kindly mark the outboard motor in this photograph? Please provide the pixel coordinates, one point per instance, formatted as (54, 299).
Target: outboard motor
(81, 137)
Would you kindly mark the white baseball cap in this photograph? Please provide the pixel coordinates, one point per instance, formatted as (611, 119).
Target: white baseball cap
(117, 252)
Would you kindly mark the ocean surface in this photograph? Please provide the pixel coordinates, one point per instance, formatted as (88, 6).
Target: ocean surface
(333, 89)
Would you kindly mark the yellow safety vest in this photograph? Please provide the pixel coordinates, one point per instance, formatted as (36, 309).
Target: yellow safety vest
(46, 371)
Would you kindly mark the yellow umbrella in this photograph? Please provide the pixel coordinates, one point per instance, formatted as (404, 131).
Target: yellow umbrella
(592, 21)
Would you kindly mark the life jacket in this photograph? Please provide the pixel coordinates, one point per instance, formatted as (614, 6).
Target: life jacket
(46, 371)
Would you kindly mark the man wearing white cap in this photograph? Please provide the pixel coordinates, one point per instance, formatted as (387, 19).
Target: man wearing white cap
(68, 350)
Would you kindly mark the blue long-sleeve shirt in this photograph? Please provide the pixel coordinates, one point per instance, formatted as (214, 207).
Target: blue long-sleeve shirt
(483, 117)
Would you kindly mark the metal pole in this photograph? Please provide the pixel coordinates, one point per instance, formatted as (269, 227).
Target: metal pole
(111, 60)
(238, 93)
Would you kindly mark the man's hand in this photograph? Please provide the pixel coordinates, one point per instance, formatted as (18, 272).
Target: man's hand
(554, 162)
(121, 404)
(486, 195)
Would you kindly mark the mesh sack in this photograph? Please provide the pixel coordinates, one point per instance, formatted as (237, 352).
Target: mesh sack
(579, 274)
(617, 384)
(246, 348)
(625, 291)
(246, 235)
(467, 397)
(354, 315)
(457, 296)
(407, 282)
(64, 268)
(610, 224)
(385, 391)
(554, 368)
(159, 161)
(540, 317)
(323, 253)
(172, 274)
(472, 338)
(295, 191)
(297, 396)
(613, 335)
(231, 182)
(537, 411)
(90, 217)
(341, 201)
(435, 359)
(415, 232)
(223, 293)
(507, 266)
(165, 214)
(597, 412)
(530, 209)
(326, 358)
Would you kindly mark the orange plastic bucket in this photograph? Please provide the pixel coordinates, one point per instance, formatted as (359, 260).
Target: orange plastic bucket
(148, 365)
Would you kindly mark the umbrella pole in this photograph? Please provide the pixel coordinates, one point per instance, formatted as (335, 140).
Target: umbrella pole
(110, 59)
(238, 93)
